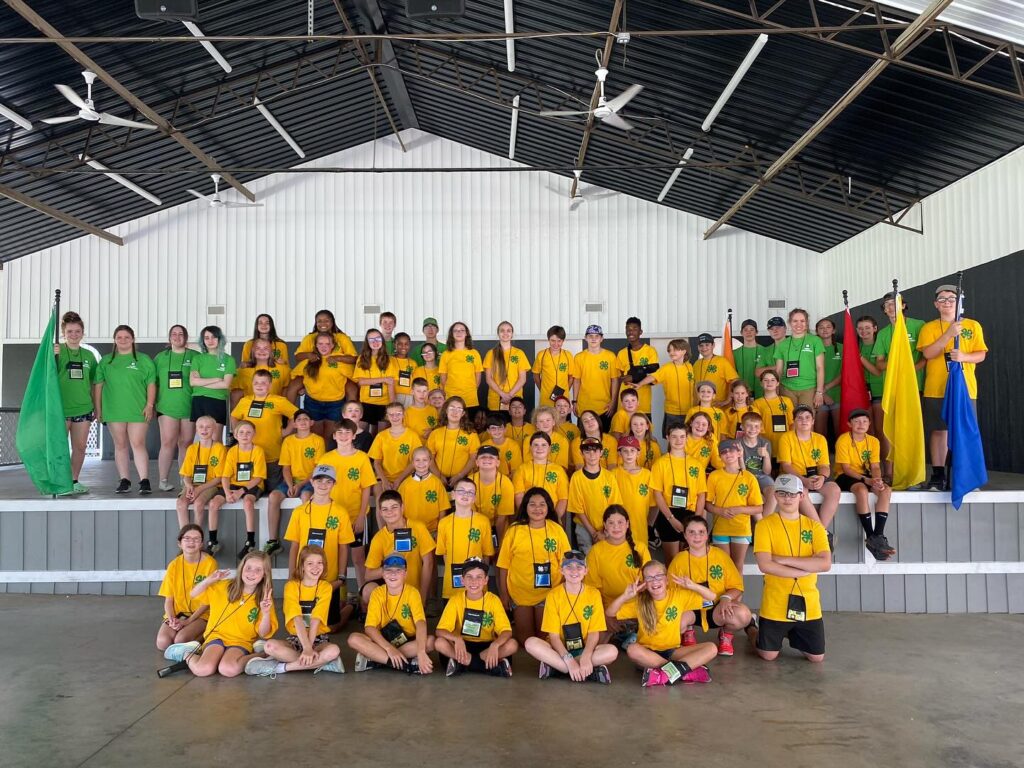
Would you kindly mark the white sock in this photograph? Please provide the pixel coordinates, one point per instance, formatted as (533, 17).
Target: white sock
(280, 670)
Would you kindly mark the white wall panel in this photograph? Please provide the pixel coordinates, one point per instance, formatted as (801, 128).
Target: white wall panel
(973, 221)
(476, 246)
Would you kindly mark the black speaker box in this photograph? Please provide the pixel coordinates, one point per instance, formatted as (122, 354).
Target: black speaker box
(435, 9)
(167, 10)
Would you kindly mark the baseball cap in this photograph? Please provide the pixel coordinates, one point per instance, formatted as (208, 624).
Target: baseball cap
(858, 412)
(325, 470)
(629, 441)
(487, 450)
(747, 322)
(729, 445)
(705, 338)
(394, 561)
(430, 321)
(474, 563)
(801, 409)
(574, 557)
(776, 322)
(594, 329)
(789, 484)
(945, 287)
(590, 442)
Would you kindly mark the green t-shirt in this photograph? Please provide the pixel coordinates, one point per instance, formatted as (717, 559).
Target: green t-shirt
(77, 372)
(871, 353)
(803, 352)
(125, 380)
(417, 354)
(748, 360)
(883, 344)
(174, 392)
(210, 366)
(833, 366)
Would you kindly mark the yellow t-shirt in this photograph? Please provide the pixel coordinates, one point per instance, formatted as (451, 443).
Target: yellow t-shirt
(354, 474)
(421, 420)
(728, 490)
(646, 355)
(342, 346)
(549, 476)
(611, 567)
(181, 578)
(234, 623)
(635, 492)
(393, 454)
(404, 368)
(461, 366)
(494, 499)
(568, 430)
(670, 610)
(595, 373)
(510, 455)
(609, 452)
(495, 620)
(670, 470)
(717, 416)
(802, 454)
(717, 370)
(432, 375)
(678, 382)
(523, 547)
(561, 448)
(972, 339)
(213, 457)
(452, 449)
(424, 499)
(859, 455)
(329, 384)
(516, 363)
(592, 497)
(301, 454)
(280, 378)
(406, 608)
(327, 526)
(383, 544)
(554, 371)
(733, 418)
(521, 435)
(280, 352)
(802, 537)
(460, 538)
(776, 419)
(585, 609)
(715, 570)
(235, 461)
(650, 452)
(266, 416)
(375, 394)
(620, 422)
(704, 451)
(306, 603)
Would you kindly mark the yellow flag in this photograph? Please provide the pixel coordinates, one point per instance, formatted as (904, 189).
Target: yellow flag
(903, 424)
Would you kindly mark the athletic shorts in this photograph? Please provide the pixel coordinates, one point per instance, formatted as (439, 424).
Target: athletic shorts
(319, 410)
(209, 406)
(273, 478)
(320, 640)
(765, 482)
(828, 408)
(254, 492)
(665, 531)
(732, 539)
(804, 636)
(666, 654)
(373, 414)
(475, 647)
(846, 483)
(220, 642)
(932, 411)
(85, 417)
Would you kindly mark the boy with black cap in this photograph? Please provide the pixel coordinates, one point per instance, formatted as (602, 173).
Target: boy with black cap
(791, 550)
(595, 374)
(858, 457)
(777, 330)
(430, 327)
(714, 368)
(751, 357)
(474, 631)
(591, 490)
(883, 341)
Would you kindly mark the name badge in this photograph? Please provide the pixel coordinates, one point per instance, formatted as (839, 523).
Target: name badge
(812, 471)
(256, 409)
(175, 380)
(376, 390)
(316, 537)
(494, 540)
(796, 610)
(403, 540)
(792, 369)
(948, 358)
(542, 575)
(76, 371)
(502, 405)
(199, 473)
(472, 622)
(243, 473)
(404, 378)
(457, 575)
(573, 634)
(556, 393)
(307, 610)
(680, 495)
(778, 422)
(707, 603)
(394, 634)
(673, 672)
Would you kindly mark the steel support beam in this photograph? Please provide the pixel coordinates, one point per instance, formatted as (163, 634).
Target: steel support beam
(908, 39)
(370, 13)
(59, 215)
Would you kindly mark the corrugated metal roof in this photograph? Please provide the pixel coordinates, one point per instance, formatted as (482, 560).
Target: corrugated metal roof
(909, 132)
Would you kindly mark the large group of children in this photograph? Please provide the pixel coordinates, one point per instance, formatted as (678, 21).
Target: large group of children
(394, 461)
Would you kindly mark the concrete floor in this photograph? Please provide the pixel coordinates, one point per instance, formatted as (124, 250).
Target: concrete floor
(79, 689)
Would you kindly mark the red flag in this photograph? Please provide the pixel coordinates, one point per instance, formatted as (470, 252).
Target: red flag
(727, 340)
(854, 393)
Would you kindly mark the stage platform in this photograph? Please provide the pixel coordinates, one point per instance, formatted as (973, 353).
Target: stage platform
(949, 561)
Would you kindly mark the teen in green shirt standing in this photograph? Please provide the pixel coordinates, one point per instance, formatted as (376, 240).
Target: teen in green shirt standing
(914, 326)
(211, 376)
(800, 363)
(174, 401)
(76, 369)
(826, 330)
(751, 357)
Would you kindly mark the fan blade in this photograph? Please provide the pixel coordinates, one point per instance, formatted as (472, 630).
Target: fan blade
(108, 119)
(71, 96)
(624, 98)
(229, 204)
(575, 203)
(204, 198)
(560, 113)
(58, 120)
(617, 122)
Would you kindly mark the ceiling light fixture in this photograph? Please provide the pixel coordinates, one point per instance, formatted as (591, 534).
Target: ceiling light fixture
(675, 174)
(746, 64)
(120, 179)
(278, 127)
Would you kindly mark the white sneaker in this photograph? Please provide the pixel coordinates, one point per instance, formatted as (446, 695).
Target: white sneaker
(178, 651)
(334, 665)
(258, 646)
(165, 485)
(362, 663)
(262, 667)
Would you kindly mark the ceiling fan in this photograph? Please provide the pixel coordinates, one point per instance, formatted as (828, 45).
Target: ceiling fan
(87, 108)
(216, 202)
(607, 110)
(583, 195)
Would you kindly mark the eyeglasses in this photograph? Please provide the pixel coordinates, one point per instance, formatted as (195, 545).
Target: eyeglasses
(786, 495)
(375, 340)
(946, 300)
(192, 539)
(654, 579)
(466, 491)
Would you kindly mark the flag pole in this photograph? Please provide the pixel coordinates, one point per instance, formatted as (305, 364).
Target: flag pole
(56, 325)
(846, 299)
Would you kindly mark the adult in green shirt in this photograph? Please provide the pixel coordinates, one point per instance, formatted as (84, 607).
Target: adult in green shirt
(212, 372)
(174, 401)
(826, 330)
(751, 357)
(430, 334)
(800, 363)
(777, 331)
(76, 371)
(914, 327)
(124, 400)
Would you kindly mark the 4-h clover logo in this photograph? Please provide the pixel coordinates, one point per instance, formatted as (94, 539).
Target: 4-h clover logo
(431, 422)
(783, 407)
(277, 355)
(309, 452)
(604, 454)
(332, 522)
(742, 490)
(563, 367)
(606, 490)
(555, 447)
(495, 499)
(650, 454)
(603, 365)
(415, 544)
(406, 611)
(689, 376)
(403, 449)
(865, 456)
(488, 620)
(966, 333)
(705, 451)
(462, 440)
(550, 545)
(268, 405)
(671, 613)
(815, 453)
(631, 561)
(551, 477)
(253, 613)
(430, 496)
(712, 368)
(642, 489)
(513, 358)
(469, 358)
(508, 455)
(474, 534)
(214, 461)
(715, 572)
(693, 471)
(717, 415)
(643, 361)
(805, 537)
(275, 374)
(352, 474)
(588, 611)
(199, 577)
(331, 364)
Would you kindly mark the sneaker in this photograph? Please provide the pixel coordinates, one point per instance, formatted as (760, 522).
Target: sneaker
(454, 668)
(165, 485)
(544, 672)
(334, 665)
(272, 547)
(689, 638)
(411, 667)
(213, 547)
(884, 545)
(259, 646)
(262, 668)
(725, 644)
(935, 483)
(873, 546)
(653, 677)
(698, 675)
(79, 488)
(144, 488)
(246, 549)
(363, 663)
(504, 669)
(600, 675)
(124, 486)
(178, 651)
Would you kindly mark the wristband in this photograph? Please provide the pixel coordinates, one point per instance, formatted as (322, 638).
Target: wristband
(725, 597)
(567, 657)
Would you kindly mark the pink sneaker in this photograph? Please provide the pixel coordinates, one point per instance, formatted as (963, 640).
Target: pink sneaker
(725, 644)
(653, 677)
(689, 638)
(698, 675)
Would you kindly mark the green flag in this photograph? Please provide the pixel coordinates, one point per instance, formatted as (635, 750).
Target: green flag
(42, 439)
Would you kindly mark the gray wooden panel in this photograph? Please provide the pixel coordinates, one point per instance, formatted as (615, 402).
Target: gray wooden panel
(849, 536)
(909, 544)
(956, 593)
(1006, 522)
(848, 593)
(58, 547)
(983, 530)
(12, 550)
(753, 588)
(154, 539)
(915, 598)
(936, 594)
(171, 531)
(35, 549)
(872, 594)
(827, 588)
(895, 593)
(83, 548)
(933, 534)
(107, 548)
(997, 599)
(958, 534)
(1015, 592)
(129, 551)
(977, 593)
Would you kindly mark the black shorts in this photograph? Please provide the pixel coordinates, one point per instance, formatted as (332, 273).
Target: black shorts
(254, 492)
(373, 414)
(804, 636)
(932, 412)
(274, 475)
(209, 406)
(665, 531)
(475, 647)
(846, 483)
